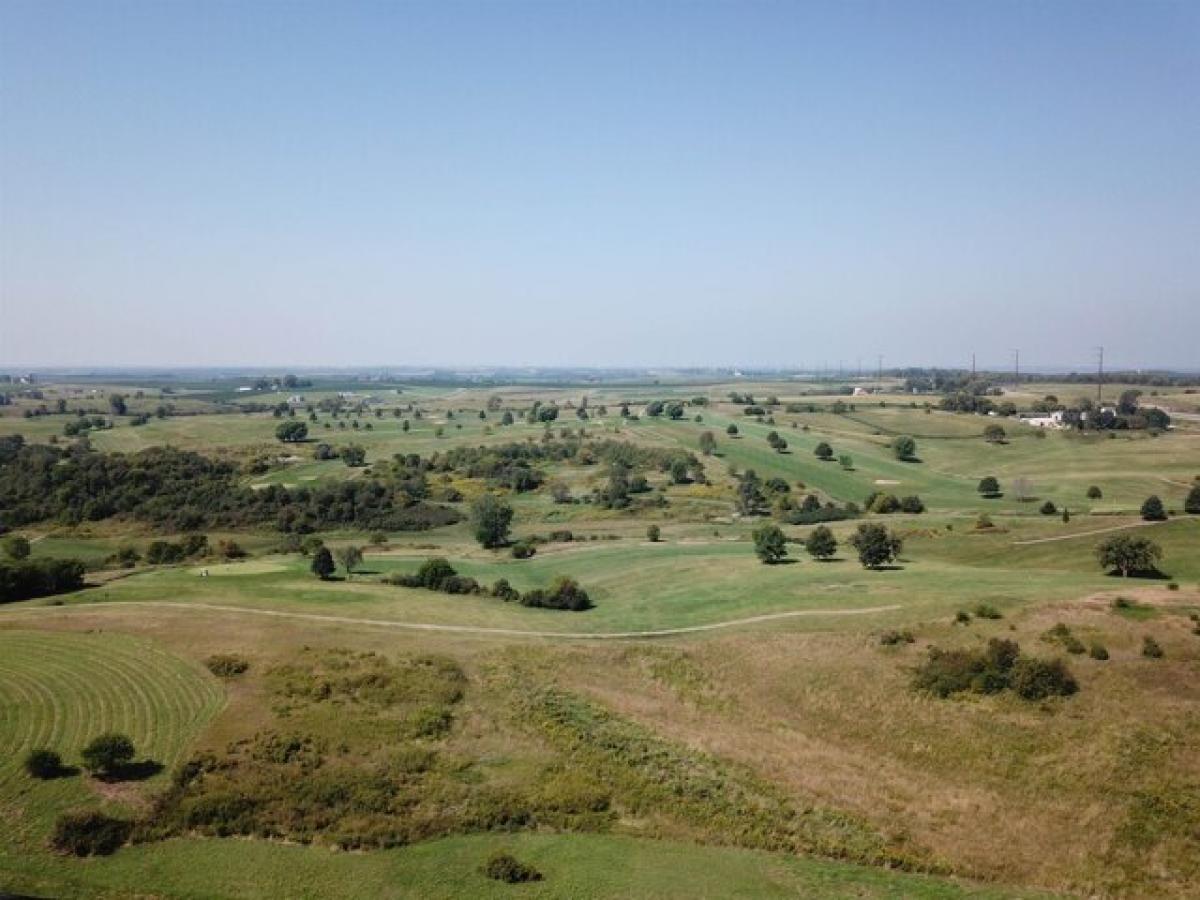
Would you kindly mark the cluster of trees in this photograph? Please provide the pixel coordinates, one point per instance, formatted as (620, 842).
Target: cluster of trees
(24, 579)
(436, 574)
(997, 667)
(184, 491)
(885, 503)
(352, 454)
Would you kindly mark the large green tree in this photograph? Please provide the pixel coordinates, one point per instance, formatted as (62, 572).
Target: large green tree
(821, 544)
(876, 545)
(1128, 554)
(491, 518)
(769, 543)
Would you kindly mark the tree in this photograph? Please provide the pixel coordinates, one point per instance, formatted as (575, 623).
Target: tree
(905, 448)
(821, 544)
(876, 546)
(16, 547)
(769, 544)
(653, 533)
(1094, 493)
(353, 455)
(1191, 505)
(823, 451)
(1152, 509)
(846, 461)
(507, 418)
(43, 764)
(105, 754)
(350, 557)
(490, 520)
(994, 434)
(1128, 554)
(708, 443)
(322, 563)
(989, 486)
(291, 432)
(731, 430)
(116, 402)
(749, 494)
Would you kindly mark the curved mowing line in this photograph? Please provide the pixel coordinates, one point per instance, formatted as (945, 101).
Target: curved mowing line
(473, 629)
(1067, 537)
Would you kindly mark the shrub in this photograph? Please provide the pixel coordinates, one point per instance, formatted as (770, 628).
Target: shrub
(564, 593)
(1151, 649)
(460, 584)
(1048, 508)
(106, 753)
(1094, 493)
(893, 637)
(523, 550)
(505, 591)
(1073, 644)
(1172, 585)
(1097, 651)
(1191, 503)
(89, 834)
(653, 533)
(505, 867)
(227, 665)
(43, 764)
(1037, 679)
(1152, 509)
(983, 522)
(905, 448)
(823, 451)
(987, 611)
(962, 617)
(912, 504)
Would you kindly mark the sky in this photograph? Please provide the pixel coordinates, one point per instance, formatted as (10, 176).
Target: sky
(602, 183)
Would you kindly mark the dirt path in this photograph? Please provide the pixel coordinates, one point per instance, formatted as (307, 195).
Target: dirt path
(1067, 537)
(461, 629)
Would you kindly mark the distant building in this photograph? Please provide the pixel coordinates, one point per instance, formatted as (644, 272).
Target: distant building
(861, 392)
(1054, 420)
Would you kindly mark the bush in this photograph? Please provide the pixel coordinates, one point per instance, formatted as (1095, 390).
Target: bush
(1151, 649)
(227, 665)
(987, 611)
(89, 834)
(460, 584)
(1049, 509)
(505, 591)
(43, 764)
(893, 637)
(1094, 493)
(962, 617)
(1037, 679)
(25, 579)
(983, 522)
(1097, 651)
(1152, 509)
(564, 593)
(505, 867)
(905, 448)
(912, 504)
(653, 533)
(523, 550)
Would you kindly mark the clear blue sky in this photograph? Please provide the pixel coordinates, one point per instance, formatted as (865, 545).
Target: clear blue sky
(599, 183)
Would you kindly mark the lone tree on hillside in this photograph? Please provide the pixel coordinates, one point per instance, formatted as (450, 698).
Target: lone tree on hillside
(490, 521)
(731, 430)
(708, 443)
(876, 545)
(989, 486)
(291, 432)
(1152, 509)
(322, 563)
(105, 754)
(994, 434)
(350, 557)
(353, 455)
(823, 451)
(1191, 505)
(1129, 555)
(769, 544)
(1094, 493)
(821, 544)
(117, 403)
(905, 448)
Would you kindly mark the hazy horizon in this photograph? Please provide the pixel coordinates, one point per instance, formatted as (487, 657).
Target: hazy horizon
(703, 185)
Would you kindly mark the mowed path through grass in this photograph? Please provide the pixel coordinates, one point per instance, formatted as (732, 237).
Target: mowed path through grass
(59, 690)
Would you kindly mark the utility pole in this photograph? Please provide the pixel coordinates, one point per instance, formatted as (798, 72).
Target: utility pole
(860, 368)
(879, 373)
(972, 366)
(1017, 366)
(1100, 377)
